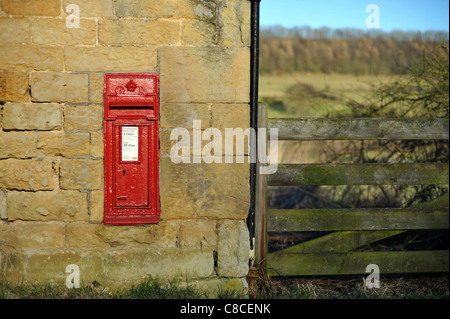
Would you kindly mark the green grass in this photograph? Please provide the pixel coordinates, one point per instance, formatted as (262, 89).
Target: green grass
(418, 287)
(315, 94)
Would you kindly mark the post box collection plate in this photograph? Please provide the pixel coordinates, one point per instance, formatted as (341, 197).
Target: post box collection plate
(131, 141)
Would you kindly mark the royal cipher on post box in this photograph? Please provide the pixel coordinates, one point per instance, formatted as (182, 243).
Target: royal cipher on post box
(131, 140)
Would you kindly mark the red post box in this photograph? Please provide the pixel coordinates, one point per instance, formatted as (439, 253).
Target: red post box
(131, 139)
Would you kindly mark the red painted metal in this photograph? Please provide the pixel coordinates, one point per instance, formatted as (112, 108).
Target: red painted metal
(131, 139)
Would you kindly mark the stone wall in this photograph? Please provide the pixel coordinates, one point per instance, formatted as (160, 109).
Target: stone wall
(51, 139)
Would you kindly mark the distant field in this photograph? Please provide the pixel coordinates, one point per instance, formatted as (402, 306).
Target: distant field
(316, 94)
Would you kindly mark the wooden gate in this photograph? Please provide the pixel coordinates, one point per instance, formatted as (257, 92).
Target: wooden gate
(349, 229)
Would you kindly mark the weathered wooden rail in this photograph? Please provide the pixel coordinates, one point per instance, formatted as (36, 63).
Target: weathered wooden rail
(333, 254)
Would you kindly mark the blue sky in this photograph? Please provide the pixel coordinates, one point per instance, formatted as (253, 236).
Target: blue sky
(394, 14)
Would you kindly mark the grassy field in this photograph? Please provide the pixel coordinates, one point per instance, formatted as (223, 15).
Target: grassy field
(315, 94)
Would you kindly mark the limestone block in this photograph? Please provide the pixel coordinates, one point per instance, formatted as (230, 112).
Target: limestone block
(81, 174)
(36, 235)
(31, 57)
(96, 81)
(14, 30)
(121, 59)
(56, 32)
(3, 214)
(161, 9)
(18, 145)
(31, 116)
(32, 7)
(96, 203)
(59, 87)
(44, 206)
(138, 264)
(197, 32)
(60, 143)
(83, 235)
(198, 233)
(13, 266)
(97, 148)
(233, 249)
(232, 117)
(236, 24)
(89, 8)
(126, 31)
(26, 174)
(204, 190)
(83, 117)
(183, 115)
(207, 74)
(161, 235)
(51, 267)
(14, 86)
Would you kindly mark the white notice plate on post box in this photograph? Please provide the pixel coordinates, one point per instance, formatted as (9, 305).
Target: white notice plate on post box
(130, 143)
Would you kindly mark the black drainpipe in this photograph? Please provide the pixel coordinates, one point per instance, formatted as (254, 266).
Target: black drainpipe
(254, 83)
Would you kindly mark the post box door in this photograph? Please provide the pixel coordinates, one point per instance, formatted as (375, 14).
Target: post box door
(131, 172)
(131, 166)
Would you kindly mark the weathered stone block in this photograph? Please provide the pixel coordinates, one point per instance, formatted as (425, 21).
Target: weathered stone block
(83, 235)
(51, 267)
(18, 145)
(174, 263)
(26, 174)
(198, 33)
(30, 116)
(44, 206)
(96, 81)
(161, 235)
(13, 265)
(81, 174)
(131, 59)
(32, 7)
(234, 117)
(28, 57)
(55, 32)
(37, 235)
(233, 249)
(64, 144)
(236, 24)
(224, 189)
(97, 148)
(83, 117)
(154, 32)
(198, 233)
(3, 214)
(230, 116)
(96, 203)
(89, 8)
(59, 87)
(14, 30)
(183, 115)
(190, 74)
(14, 86)
(159, 9)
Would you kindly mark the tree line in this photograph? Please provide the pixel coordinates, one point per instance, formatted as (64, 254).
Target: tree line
(347, 51)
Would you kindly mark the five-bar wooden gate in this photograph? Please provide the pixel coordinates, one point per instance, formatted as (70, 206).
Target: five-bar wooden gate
(349, 229)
